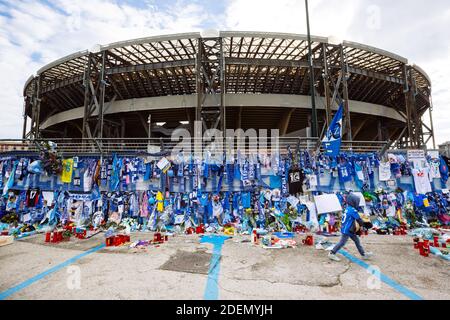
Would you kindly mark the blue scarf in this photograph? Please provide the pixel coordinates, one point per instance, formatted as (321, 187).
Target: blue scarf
(115, 173)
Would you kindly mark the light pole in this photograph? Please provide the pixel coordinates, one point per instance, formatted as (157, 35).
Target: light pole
(314, 124)
(149, 121)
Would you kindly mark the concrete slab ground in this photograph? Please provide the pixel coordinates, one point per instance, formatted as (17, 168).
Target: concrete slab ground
(178, 269)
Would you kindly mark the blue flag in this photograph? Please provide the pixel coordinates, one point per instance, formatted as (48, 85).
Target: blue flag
(333, 137)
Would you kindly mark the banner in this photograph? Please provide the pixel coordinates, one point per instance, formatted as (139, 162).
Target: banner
(327, 203)
(416, 155)
(333, 137)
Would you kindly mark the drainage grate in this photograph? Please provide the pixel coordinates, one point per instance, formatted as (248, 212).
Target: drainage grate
(190, 262)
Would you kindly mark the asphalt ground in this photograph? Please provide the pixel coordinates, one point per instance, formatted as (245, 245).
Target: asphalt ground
(185, 268)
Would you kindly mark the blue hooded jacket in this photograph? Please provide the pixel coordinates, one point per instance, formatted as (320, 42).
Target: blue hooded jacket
(350, 214)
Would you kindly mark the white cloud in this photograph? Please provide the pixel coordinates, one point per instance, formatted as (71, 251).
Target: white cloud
(34, 28)
(418, 31)
(289, 16)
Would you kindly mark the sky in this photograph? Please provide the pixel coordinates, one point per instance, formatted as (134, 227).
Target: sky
(34, 33)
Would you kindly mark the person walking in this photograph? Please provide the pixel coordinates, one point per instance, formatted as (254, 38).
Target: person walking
(351, 222)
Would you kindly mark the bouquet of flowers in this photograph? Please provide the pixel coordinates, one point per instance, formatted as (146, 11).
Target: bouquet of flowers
(51, 162)
(410, 214)
(130, 224)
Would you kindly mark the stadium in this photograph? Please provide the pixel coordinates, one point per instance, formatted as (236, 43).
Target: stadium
(151, 86)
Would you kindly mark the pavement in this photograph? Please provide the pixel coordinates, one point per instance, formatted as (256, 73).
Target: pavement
(185, 268)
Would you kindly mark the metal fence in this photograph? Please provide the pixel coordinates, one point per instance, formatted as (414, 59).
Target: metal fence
(136, 146)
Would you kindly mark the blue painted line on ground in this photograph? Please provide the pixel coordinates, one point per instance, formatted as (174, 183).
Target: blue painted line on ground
(26, 283)
(393, 284)
(212, 287)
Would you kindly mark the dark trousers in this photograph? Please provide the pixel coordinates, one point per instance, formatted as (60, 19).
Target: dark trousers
(343, 241)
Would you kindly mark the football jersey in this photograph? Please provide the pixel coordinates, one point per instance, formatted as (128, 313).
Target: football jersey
(295, 181)
(344, 173)
(204, 199)
(66, 175)
(32, 198)
(421, 181)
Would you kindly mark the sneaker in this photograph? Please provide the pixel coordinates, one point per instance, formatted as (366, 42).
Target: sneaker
(333, 257)
(367, 255)
(319, 246)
